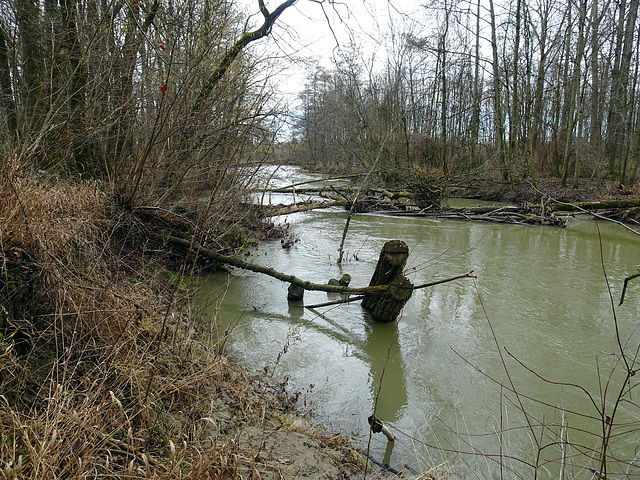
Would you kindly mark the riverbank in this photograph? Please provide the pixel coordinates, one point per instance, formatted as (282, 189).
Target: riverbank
(106, 371)
(103, 360)
(588, 190)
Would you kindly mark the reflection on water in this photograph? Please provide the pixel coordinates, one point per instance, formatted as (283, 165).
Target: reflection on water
(540, 296)
(387, 378)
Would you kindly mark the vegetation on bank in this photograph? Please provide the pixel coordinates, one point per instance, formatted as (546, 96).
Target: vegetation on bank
(104, 369)
(122, 122)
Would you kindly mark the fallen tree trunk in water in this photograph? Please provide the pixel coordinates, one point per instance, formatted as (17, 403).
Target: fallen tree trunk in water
(384, 298)
(607, 204)
(303, 207)
(499, 214)
(236, 262)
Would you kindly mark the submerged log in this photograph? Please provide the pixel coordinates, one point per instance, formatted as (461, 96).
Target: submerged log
(303, 207)
(236, 262)
(603, 205)
(389, 272)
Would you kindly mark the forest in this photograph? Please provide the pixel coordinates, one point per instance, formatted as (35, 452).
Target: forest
(156, 96)
(523, 88)
(131, 135)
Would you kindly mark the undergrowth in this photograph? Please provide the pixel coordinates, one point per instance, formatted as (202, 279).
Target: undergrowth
(103, 371)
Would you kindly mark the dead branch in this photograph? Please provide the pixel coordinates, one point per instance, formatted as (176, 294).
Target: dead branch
(624, 288)
(236, 262)
(424, 285)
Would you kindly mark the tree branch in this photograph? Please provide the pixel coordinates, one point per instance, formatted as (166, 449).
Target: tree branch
(624, 288)
(248, 37)
(236, 262)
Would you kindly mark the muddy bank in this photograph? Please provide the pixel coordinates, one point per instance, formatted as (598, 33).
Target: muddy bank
(106, 371)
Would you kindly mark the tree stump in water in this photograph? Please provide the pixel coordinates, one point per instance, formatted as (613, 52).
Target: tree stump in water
(386, 306)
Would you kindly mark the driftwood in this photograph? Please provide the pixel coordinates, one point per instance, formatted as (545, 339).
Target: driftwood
(603, 205)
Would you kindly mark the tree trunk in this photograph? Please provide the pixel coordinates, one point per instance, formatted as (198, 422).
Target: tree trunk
(618, 113)
(514, 115)
(573, 94)
(28, 17)
(475, 111)
(595, 127)
(497, 100)
(538, 100)
(7, 103)
(389, 271)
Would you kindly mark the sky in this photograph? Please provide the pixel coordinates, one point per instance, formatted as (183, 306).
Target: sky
(307, 33)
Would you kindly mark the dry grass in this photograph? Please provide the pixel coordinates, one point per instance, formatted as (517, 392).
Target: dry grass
(102, 374)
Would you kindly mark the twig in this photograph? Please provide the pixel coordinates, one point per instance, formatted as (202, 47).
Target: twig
(624, 288)
(445, 280)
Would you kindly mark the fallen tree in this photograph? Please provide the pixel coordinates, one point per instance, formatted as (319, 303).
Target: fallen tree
(384, 298)
(501, 214)
(603, 205)
(236, 262)
(303, 207)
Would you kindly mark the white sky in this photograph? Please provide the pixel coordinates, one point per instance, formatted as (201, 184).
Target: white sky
(303, 32)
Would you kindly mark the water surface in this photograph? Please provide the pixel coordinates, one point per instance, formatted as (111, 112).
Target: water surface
(540, 297)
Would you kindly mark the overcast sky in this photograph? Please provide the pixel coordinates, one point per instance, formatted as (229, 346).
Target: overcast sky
(309, 31)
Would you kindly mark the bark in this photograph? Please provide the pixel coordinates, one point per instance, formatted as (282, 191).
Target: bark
(7, 103)
(236, 262)
(398, 289)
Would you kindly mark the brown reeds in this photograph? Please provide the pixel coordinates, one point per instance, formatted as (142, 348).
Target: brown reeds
(88, 387)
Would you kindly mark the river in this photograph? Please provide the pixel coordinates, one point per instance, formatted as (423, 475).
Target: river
(537, 320)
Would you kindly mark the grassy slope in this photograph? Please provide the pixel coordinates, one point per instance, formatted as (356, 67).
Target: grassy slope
(103, 371)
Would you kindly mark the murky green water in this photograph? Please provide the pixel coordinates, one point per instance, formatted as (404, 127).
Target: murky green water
(540, 297)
